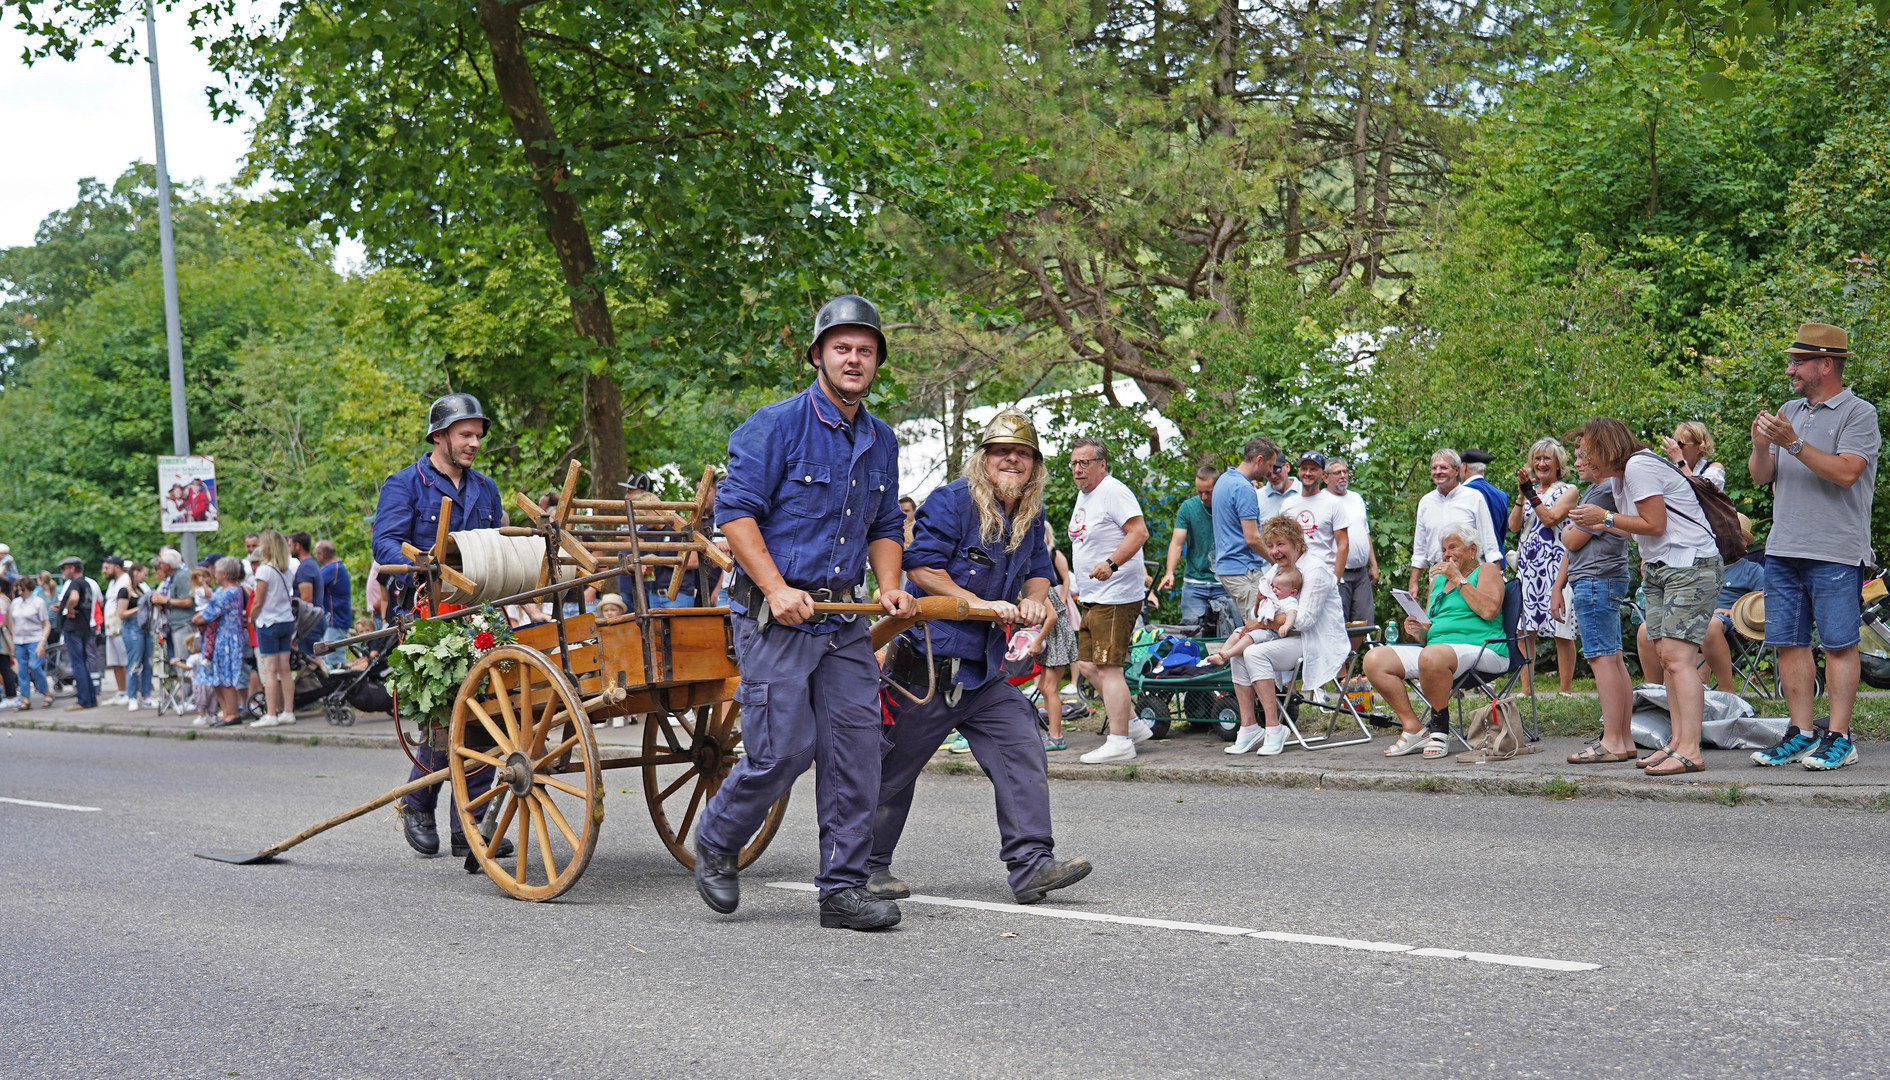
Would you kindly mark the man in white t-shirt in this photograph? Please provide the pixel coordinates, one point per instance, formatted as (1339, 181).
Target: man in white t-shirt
(116, 581)
(1322, 516)
(1451, 504)
(1361, 560)
(1106, 537)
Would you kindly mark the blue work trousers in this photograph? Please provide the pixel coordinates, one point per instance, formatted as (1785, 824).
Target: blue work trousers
(424, 800)
(1002, 729)
(805, 698)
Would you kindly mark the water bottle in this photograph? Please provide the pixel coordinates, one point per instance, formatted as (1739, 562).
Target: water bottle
(1391, 631)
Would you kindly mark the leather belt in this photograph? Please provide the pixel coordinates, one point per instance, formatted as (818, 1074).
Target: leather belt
(745, 592)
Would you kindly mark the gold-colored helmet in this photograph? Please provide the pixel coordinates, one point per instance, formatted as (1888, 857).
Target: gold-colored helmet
(1011, 428)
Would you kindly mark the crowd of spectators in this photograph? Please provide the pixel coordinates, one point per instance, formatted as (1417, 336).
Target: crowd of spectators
(217, 632)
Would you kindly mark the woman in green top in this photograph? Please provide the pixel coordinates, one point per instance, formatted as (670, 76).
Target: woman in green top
(1466, 611)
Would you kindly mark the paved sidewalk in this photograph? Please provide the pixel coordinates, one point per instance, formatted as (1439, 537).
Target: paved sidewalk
(1194, 756)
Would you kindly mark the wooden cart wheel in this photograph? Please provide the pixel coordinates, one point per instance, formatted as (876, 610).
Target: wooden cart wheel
(705, 749)
(531, 731)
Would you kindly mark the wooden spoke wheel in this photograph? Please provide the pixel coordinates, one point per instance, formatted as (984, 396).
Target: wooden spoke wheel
(685, 762)
(519, 725)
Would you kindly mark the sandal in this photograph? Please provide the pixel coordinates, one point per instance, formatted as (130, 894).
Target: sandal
(1594, 754)
(1437, 744)
(1058, 743)
(1656, 758)
(1686, 766)
(1408, 742)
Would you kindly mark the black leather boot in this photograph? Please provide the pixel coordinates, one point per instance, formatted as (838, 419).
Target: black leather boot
(1053, 875)
(718, 878)
(421, 835)
(884, 886)
(856, 909)
(499, 849)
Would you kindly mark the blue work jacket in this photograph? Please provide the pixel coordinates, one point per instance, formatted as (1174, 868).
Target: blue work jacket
(409, 509)
(819, 487)
(945, 537)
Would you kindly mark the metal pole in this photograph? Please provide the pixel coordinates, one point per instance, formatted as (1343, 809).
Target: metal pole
(167, 250)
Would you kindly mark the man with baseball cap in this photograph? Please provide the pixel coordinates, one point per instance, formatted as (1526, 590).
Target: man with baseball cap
(980, 537)
(1476, 466)
(811, 499)
(1819, 451)
(1322, 516)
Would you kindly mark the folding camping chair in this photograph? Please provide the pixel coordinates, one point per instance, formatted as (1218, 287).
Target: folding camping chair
(1330, 698)
(1499, 684)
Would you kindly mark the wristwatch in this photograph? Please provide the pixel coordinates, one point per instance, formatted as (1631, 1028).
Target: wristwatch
(1113, 568)
(1607, 520)
(1794, 446)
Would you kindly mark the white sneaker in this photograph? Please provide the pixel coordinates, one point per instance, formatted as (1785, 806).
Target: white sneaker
(265, 720)
(131, 705)
(149, 704)
(188, 706)
(284, 719)
(118, 700)
(201, 721)
(1275, 741)
(1139, 731)
(1245, 740)
(1112, 750)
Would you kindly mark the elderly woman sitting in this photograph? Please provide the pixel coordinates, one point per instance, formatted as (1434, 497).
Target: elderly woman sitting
(1466, 611)
(1316, 634)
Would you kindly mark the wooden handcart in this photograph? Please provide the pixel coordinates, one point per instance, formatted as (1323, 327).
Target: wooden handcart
(526, 710)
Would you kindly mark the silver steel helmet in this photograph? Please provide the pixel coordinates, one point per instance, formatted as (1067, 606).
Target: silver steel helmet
(848, 310)
(453, 408)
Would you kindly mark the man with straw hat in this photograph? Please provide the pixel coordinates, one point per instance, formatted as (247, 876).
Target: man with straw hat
(1819, 451)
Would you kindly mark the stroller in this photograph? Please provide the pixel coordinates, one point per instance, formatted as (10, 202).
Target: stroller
(365, 689)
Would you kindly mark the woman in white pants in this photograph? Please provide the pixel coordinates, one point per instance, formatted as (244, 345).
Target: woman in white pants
(1318, 636)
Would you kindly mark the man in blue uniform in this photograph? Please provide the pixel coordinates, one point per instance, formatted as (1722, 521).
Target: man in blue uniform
(409, 511)
(981, 537)
(811, 499)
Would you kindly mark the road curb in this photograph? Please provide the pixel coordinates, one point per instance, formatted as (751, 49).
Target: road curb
(1555, 786)
(298, 736)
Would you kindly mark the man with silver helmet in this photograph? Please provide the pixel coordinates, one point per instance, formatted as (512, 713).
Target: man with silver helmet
(810, 501)
(980, 537)
(409, 512)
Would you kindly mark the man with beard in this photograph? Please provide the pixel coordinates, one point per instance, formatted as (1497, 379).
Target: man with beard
(981, 538)
(811, 498)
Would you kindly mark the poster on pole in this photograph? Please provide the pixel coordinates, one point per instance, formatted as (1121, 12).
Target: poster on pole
(187, 494)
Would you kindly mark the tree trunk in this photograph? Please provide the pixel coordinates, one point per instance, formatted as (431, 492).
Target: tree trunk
(564, 227)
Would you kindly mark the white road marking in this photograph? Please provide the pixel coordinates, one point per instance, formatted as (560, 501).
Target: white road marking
(50, 805)
(1208, 928)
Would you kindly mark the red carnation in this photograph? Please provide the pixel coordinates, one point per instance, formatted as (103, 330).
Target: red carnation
(484, 640)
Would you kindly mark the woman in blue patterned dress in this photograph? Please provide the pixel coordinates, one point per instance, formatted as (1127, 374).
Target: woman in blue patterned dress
(224, 636)
(1536, 518)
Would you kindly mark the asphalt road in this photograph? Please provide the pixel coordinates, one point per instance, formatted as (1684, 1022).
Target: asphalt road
(1731, 941)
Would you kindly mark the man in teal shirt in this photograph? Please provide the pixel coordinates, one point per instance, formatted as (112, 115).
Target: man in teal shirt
(1194, 535)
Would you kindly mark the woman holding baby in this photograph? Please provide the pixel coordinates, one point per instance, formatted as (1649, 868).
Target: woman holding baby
(1298, 616)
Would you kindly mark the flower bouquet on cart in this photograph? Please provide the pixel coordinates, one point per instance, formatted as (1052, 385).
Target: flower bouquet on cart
(426, 669)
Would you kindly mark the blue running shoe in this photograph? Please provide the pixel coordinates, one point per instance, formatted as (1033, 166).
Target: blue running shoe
(957, 744)
(1793, 747)
(1834, 752)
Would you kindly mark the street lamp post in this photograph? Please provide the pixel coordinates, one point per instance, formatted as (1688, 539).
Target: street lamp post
(167, 250)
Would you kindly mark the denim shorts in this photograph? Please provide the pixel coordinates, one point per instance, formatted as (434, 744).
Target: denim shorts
(1598, 613)
(273, 640)
(1802, 592)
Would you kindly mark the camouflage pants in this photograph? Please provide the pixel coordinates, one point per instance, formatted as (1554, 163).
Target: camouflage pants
(1680, 599)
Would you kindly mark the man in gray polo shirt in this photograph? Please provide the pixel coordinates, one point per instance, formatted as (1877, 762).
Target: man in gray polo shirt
(1819, 451)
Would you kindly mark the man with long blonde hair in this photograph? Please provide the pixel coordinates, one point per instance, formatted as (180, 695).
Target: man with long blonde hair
(981, 538)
